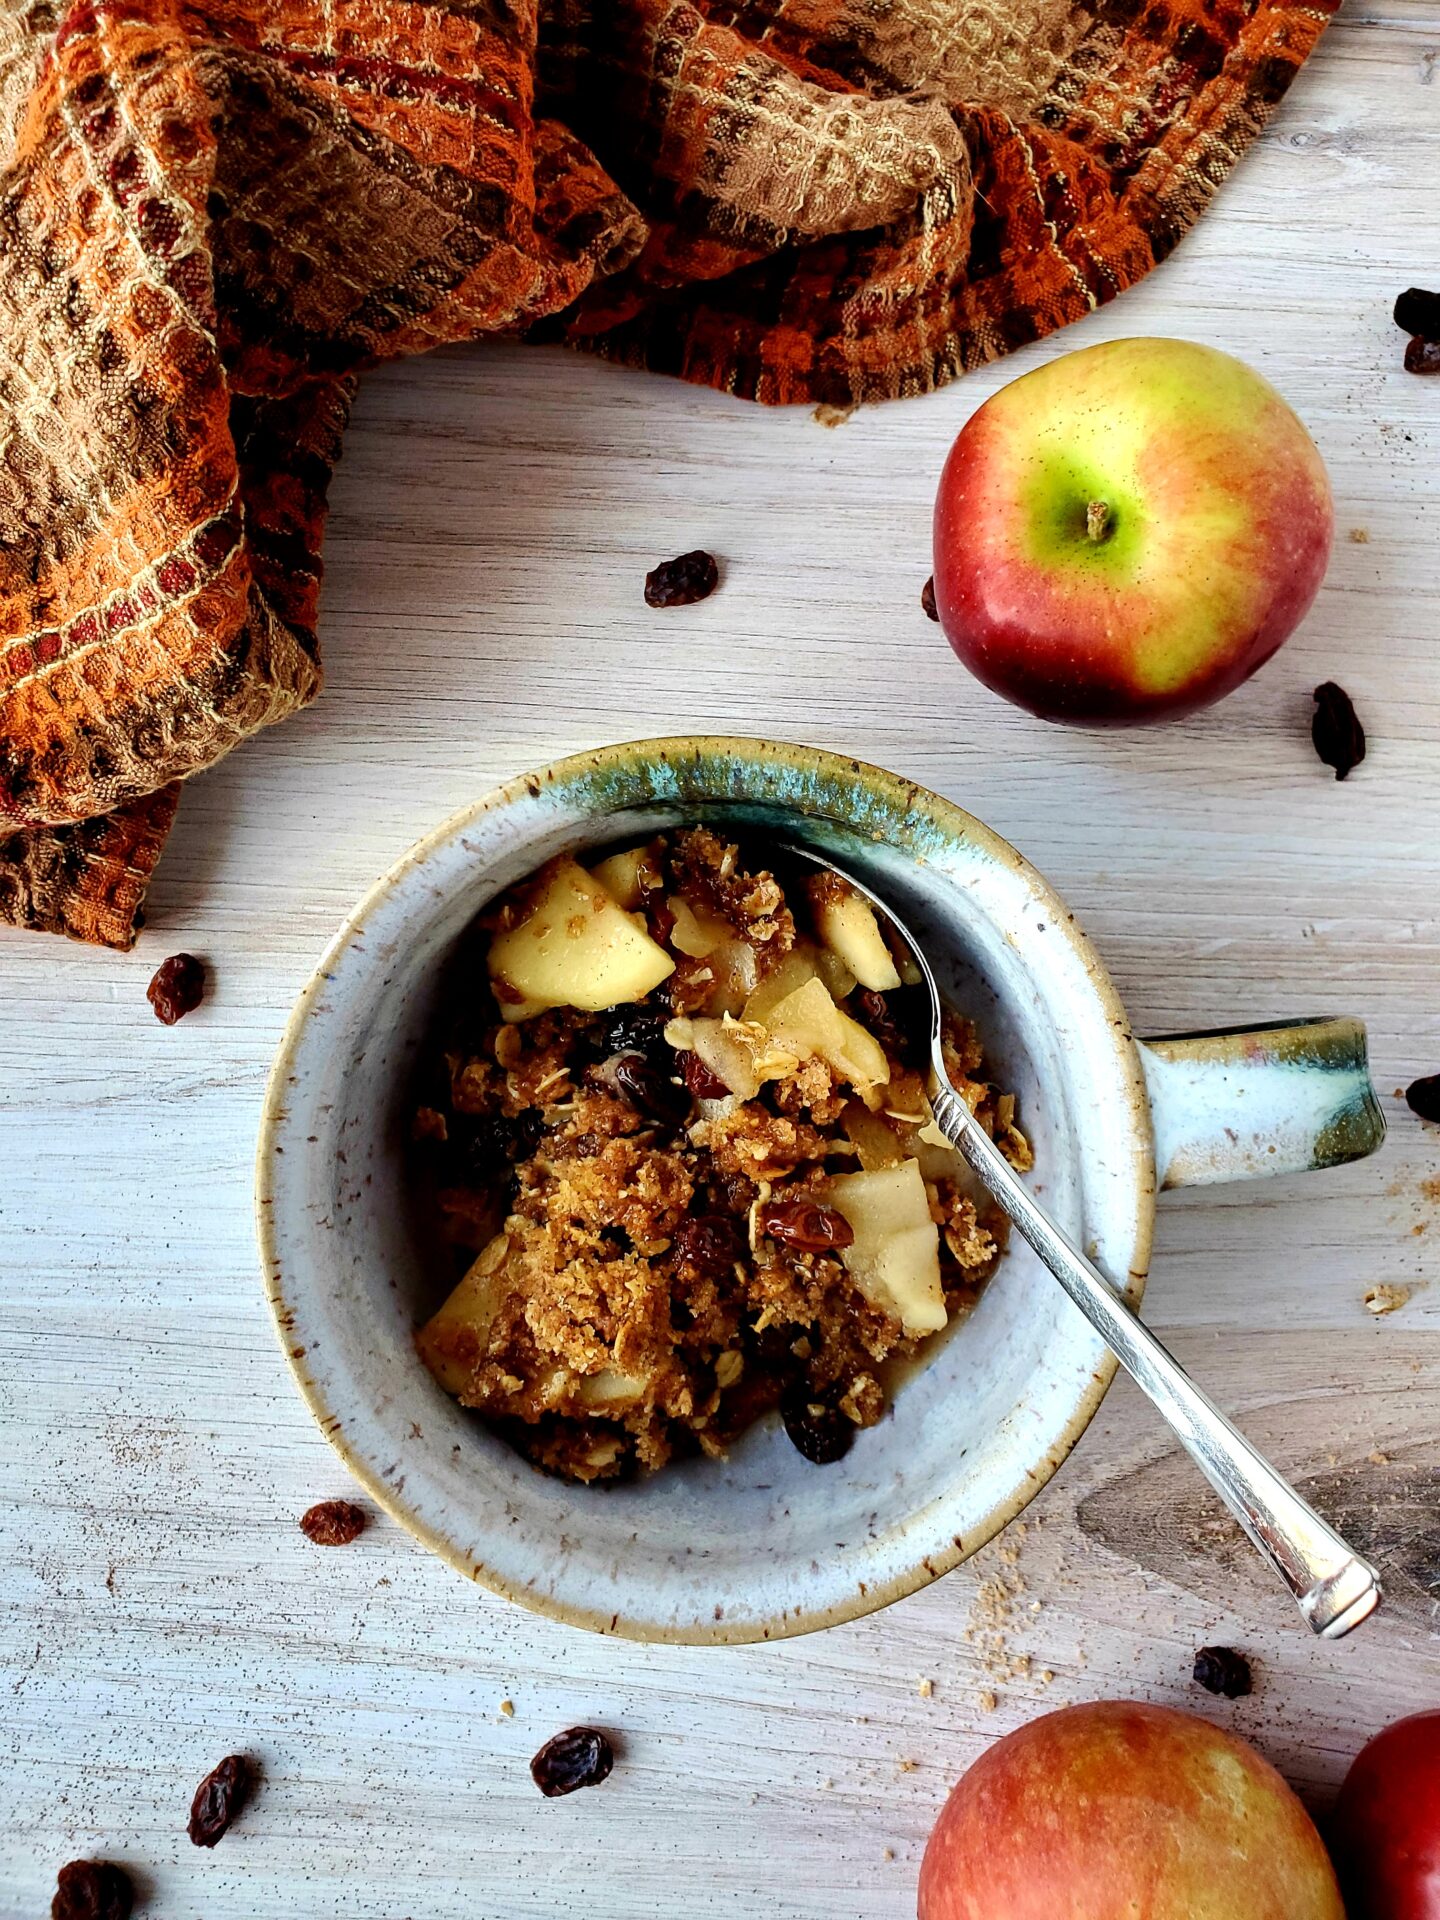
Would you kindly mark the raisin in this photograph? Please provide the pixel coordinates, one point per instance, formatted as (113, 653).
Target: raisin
(807, 1225)
(707, 1243)
(652, 1091)
(927, 599)
(816, 1428)
(481, 1146)
(773, 1346)
(1422, 356)
(1418, 312)
(177, 988)
(704, 1084)
(636, 1030)
(333, 1523)
(1423, 1097)
(899, 1021)
(579, 1757)
(682, 581)
(92, 1890)
(660, 921)
(1222, 1670)
(1336, 730)
(218, 1798)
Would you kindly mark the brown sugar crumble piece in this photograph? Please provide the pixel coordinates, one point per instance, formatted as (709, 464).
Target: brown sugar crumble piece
(681, 1162)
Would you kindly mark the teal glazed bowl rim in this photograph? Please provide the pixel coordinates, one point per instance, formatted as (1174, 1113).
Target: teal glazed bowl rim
(359, 1406)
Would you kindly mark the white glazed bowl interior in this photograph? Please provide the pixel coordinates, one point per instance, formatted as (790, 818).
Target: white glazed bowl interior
(764, 1544)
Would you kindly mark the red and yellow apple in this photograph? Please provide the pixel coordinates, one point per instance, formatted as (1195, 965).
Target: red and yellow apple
(1387, 1824)
(1128, 532)
(1116, 1809)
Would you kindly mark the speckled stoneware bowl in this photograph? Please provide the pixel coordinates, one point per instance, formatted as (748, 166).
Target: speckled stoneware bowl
(764, 1544)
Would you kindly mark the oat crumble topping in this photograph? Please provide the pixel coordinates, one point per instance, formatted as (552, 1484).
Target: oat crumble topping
(683, 1154)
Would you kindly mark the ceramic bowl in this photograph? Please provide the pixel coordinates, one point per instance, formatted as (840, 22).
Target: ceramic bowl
(763, 1544)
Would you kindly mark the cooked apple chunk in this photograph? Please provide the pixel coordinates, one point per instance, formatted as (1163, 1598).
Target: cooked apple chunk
(846, 922)
(627, 877)
(574, 946)
(808, 1021)
(895, 1255)
(453, 1340)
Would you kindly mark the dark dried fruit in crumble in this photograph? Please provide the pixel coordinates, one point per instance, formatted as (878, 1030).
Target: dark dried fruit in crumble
(1423, 1097)
(177, 988)
(650, 1091)
(1417, 311)
(927, 599)
(1336, 730)
(637, 1030)
(682, 581)
(704, 1084)
(707, 1244)
(1223, 1670)
(333, 1523)
(821, 1432)
(1422, 356)
(218, 1798)
(579, 1757)
(92, 1890)
(807, 1225)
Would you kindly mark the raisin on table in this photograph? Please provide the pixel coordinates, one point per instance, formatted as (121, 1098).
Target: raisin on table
(177, 988)
(333, 1523)
(92, 1890)
(1423, 1097)
(218, 1798)
(1223, 1670)
(1336, 730)
(682, 581)
(579, 1757)
(927, 599)
(1422, 356)
(1418, 312)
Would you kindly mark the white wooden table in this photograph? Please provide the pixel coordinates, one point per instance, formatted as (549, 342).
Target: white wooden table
(493, 516)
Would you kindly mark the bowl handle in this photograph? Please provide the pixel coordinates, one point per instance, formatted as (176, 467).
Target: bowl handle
(1253, 1101)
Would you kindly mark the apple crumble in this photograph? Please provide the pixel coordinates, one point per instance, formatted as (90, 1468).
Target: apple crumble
(680, 1147)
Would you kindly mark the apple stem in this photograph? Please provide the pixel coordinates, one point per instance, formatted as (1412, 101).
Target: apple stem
(1097, 520)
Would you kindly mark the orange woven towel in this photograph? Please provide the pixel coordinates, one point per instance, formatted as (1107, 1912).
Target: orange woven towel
(213, 215)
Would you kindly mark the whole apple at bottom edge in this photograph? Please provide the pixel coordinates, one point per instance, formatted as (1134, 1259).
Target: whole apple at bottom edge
(1128, 532)
(1119, 1808)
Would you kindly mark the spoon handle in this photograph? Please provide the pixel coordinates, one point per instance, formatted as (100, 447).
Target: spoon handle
(1334, 1588)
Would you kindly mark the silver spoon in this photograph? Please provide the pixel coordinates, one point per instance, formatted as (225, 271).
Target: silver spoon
(1334, 1588)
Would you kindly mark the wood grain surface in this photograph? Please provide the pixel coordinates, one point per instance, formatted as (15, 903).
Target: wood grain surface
(494, 514)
